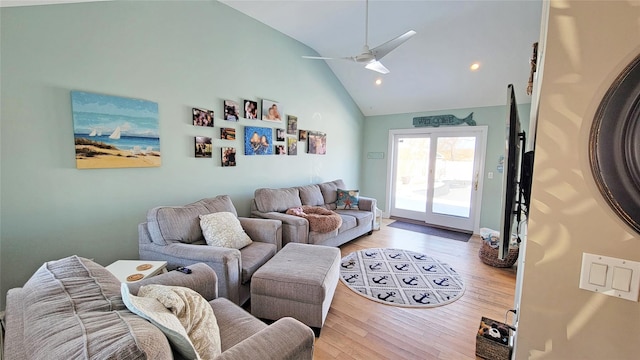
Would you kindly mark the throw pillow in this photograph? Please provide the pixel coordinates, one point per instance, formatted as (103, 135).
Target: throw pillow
(223, 229)
(182, 314)
(347, 199)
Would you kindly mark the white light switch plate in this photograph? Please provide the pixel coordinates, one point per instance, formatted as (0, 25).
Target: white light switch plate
(621, 277)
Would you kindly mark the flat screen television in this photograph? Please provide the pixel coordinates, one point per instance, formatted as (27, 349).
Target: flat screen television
(512, 199)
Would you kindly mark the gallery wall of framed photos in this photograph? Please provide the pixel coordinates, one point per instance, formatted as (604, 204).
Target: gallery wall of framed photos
(264, 129)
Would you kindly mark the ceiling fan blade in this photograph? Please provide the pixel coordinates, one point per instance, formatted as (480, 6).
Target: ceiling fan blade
(377, 66)
(317, 57)
(380, 51)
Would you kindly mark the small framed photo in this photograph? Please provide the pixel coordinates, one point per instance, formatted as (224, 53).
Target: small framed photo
(292, 125)
(279, 134)
(271, 111)
(202, 117)
(227, 133)
(302, 135)
(292, 146)
(258, 140)
(250, 109)
(231, 110)
(228, 156)
(203, 147)
(280, 150)
(317, 143)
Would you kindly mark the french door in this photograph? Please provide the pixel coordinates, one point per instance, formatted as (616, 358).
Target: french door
(436, 175)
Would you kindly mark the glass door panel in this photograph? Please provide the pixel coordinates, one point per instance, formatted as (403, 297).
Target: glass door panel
(411, 174)
(454, 176)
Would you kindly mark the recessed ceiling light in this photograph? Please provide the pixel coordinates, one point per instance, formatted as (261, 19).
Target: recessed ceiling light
(474, 66)
(378, 81)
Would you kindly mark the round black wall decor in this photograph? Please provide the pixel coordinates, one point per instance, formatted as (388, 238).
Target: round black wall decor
(614, 145)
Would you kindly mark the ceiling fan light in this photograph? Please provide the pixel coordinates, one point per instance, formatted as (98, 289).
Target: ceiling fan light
(377, 66)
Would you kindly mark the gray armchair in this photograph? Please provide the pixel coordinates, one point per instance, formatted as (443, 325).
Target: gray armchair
(86, 318)
(173, 234)
(242, 335)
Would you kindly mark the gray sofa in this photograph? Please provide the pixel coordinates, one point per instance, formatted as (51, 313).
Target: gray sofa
(72, 309)
(173, 234)
(273, 203)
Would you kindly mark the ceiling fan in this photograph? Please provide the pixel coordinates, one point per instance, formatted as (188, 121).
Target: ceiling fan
(371, 57)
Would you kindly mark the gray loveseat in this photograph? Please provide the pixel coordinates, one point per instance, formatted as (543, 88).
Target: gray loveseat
(72, 309)
(273, 204)
(173, 234)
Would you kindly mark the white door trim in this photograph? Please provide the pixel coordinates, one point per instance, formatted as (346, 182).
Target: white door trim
(482, 148)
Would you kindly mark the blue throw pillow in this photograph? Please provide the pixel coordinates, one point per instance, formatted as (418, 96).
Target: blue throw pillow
(347, 199)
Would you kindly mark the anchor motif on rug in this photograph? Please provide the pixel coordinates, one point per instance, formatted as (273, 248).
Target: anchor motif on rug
(442, 282)
(389, 294)
(381, 280)
(422, 298)
(351, 278)
(402, 267)
(349, 265)
(398, 277)
(431, 268)
(413, 281)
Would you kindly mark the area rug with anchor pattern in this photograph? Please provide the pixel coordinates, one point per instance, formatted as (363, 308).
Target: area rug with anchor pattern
(401, 277)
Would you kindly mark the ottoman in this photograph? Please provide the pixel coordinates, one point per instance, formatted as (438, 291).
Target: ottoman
(299, 281)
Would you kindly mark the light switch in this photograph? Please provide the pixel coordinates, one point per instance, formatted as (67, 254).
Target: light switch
(610, 276)
(621, 278)
(598, 274)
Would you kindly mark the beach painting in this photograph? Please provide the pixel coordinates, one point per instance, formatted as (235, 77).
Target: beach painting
(115, 132)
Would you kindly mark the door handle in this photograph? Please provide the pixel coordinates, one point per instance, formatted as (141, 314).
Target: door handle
(476, 182)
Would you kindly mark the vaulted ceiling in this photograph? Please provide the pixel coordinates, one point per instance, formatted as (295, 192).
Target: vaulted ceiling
(431, 71)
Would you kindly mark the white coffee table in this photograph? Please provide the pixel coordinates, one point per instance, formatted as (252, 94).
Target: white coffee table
(130, 271)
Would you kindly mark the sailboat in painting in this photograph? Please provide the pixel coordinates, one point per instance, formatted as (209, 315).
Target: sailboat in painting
(114, 132)
(115, 135)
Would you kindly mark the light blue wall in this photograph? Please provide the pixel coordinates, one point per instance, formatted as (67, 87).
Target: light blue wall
(376, 139)
(179, 54)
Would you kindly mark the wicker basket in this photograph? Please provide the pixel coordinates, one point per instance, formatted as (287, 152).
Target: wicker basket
(490, 349)
(489, 256)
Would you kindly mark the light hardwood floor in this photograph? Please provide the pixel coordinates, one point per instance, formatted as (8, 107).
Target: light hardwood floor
(357, 328)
